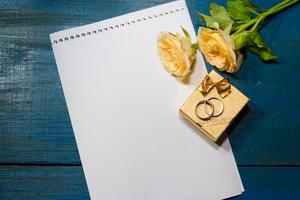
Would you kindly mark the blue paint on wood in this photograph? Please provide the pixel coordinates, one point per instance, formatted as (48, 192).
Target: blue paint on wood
(56, 183)
(42, 183)
(35, 126)
(276, 183)
(268, 132)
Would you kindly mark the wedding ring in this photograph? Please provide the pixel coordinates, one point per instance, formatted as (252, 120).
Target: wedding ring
(221, 107)
(203, 116)
(209, 113)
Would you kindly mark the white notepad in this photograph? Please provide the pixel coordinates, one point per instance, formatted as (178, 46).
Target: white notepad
(123, 105)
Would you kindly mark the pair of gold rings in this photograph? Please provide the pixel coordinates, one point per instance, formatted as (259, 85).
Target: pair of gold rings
(212, 107)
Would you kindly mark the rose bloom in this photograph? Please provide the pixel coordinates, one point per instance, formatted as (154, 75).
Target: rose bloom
(217, 48)
(176, 54)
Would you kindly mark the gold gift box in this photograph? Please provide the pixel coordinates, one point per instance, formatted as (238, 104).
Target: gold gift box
(216, 126)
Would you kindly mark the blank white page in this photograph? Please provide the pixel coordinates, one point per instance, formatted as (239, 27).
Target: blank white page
(123, 106)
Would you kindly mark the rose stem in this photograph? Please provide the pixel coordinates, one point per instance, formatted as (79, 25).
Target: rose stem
(258, 19)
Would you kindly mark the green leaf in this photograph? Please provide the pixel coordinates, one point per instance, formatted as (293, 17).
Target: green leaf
(219, 18)
(257, 39)
(257, 45)
(264, 53)
(187, 35)
(218, 11)
(195, 46)
(238, 10)
(240, 39)
(208, 20)
(241, 9)
(172, 34)
(252, 8)
(213, 22)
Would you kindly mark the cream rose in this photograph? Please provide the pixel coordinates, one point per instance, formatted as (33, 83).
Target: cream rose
(217, 48)
(176, 54)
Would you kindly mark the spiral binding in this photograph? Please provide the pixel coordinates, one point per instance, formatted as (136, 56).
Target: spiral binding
(116, 26)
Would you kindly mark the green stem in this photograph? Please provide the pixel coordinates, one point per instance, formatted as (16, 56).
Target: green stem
(276, 9)
(259, 19)
(280, 4)
(246, 25)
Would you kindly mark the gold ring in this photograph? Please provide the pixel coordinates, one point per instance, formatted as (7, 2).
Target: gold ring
(205, 103)
(220, 111)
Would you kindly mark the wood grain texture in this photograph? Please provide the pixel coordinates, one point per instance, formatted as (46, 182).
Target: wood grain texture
(34, 122)
(276, 183)
(42, 183)
(35, 128)
(57, 183)
(267, 132)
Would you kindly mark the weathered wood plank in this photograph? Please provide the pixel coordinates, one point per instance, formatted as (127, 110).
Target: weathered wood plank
(34, 123)
(39, 183)
(276, 183)
(267, 132)
(56, 183)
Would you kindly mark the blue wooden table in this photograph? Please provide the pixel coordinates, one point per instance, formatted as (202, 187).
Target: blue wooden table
(38, 154)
